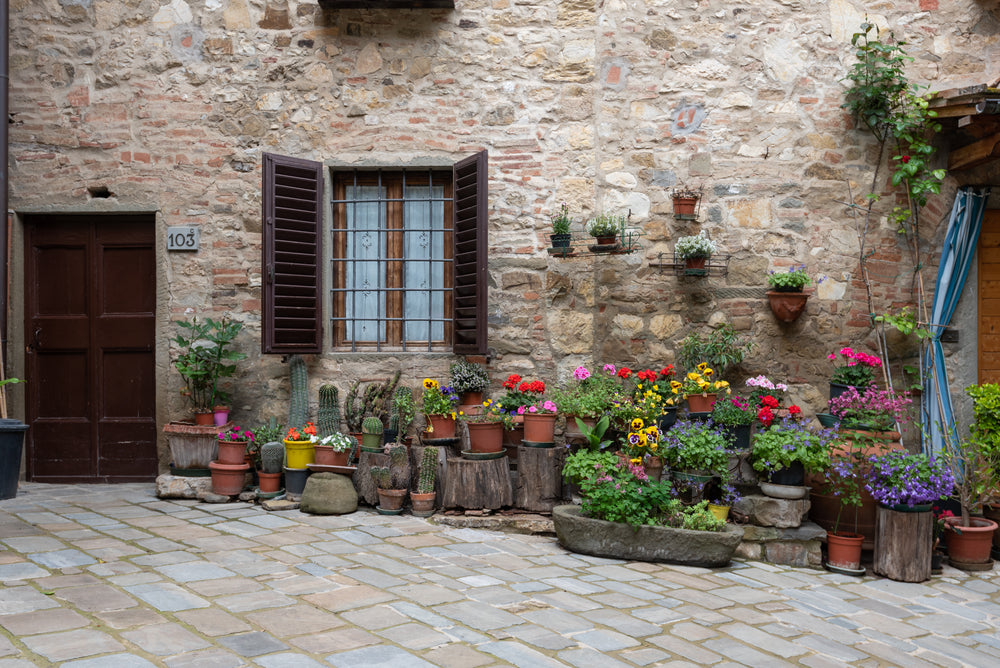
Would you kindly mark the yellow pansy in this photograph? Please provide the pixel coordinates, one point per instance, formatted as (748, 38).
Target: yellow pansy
(637, 424)
(702, 367)
(430, 384)
(694, 375)
(707, 372)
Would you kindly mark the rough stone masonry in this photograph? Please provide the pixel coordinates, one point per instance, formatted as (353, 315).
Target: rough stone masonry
(603, 105)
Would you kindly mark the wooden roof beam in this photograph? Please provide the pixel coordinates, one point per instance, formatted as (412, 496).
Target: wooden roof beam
(975, 154)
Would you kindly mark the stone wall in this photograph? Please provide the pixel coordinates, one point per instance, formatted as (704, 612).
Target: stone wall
(601, 105)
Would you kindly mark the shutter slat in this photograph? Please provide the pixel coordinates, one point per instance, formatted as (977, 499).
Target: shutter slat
(292, 196)
(470, 252)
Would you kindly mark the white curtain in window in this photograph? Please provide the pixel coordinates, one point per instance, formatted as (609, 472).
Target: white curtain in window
(366, 248)
(423, 273)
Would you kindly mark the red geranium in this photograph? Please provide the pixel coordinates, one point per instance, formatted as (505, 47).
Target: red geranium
(668, 371)
(647, 375)
(765, 416)
(769, 401)
(512, 381)
(794, 410)
(624, 372)
(535, 387)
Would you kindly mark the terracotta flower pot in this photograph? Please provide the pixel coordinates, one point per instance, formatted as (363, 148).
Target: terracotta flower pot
(204, 418)
(441, 426)
(326, 456)
(685, 206)
(391, 499)
(695, 266)
(228, 479)
(844, 549)
(701, 403)
(969, 545)
(787, 306)
(231, 452)
(539, 427)
(269, 482)
(423, 504)
(485, 436)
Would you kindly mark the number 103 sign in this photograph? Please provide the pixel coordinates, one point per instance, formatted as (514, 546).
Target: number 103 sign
(183, 238)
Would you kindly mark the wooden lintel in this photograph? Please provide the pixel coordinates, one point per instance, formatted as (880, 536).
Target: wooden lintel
(953, 110)
(975, 153)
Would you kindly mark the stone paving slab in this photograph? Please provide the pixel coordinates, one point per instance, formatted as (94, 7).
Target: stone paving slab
(102, 576)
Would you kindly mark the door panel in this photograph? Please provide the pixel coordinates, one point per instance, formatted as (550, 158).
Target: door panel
(89, 301)
(989, 298)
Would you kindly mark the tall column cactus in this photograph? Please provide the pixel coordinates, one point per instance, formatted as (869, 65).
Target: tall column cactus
(428, 471)
(354, 412)
(298, 403)
(329, 410)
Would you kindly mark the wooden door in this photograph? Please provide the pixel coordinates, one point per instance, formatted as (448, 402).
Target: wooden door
(989, 298)
(89, 331)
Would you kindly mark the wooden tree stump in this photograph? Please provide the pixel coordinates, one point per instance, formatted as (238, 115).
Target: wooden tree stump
(477, 484)
(363, 482)
(903, 544)
(416, 456)
(539, 478)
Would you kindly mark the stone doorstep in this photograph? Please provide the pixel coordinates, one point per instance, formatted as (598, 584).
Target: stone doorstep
(798, 546)
(526, 523)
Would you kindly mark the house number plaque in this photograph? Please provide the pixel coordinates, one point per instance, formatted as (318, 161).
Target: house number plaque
(183, 238)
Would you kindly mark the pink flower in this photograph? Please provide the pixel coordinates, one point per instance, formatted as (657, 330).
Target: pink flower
(520, 410)
(610, 368)
(831, 356)
(581, 373)
(532, 409)
(549, 406)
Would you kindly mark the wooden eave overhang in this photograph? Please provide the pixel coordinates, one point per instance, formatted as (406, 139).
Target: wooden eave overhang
(970, 112)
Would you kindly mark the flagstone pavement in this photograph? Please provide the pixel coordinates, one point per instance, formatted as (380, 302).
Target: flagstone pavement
(108, 575)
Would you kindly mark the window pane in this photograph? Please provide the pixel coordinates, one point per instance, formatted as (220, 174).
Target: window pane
(423, 275)
(366, 241)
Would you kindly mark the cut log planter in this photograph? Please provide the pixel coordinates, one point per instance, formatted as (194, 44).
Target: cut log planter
(903, 544)
(539, 479)
(477, 484)
(363, 482)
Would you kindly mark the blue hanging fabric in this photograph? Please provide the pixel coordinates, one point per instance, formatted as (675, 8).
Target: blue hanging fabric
(957, 254)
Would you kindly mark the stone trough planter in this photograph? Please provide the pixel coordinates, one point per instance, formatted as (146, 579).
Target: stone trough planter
(615, 540)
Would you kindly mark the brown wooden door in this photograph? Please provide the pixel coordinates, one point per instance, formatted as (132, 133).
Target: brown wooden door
(989, 298)
(89, 300)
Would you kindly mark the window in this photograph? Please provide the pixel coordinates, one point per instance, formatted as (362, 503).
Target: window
(407, 249)
(392, 259)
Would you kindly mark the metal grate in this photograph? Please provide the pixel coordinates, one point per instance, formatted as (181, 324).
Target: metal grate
(392, 256)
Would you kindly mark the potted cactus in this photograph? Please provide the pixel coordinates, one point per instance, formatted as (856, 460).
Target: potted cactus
(272, 457)
(403, 411)
(371, 434)
(393, 480)
(423, 499)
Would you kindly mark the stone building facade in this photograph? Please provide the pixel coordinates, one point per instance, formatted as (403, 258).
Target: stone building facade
(166, 108)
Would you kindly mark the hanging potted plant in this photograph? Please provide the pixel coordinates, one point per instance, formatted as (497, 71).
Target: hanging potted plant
(439, 409)
(695, 251)
(606, 228)
(560, 227)
(685, 200)
(469, 381)
(787, 295)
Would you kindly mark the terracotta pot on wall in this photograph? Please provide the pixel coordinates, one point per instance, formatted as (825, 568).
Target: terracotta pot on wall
(685, 206)
(787, 306)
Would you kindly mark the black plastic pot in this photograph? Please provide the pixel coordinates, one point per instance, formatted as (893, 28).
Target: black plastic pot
(11, 446)
(794, 475)
(560, 240)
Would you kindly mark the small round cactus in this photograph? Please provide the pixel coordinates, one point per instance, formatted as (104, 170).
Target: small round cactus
(372, 425)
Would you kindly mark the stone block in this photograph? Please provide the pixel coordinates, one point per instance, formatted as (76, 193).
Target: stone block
(182, 487)
(329, 494)
(764, 511)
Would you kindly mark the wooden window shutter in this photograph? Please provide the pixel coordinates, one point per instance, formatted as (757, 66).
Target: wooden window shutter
(471, 236)
(293, 215)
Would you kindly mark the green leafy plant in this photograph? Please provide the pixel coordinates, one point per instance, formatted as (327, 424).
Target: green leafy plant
(782, 443)
(561, 221)
(205, 357)
(267, 433)
(721, 349)
(733, 411)
(606, 225)
(595, 435)
(339, 442)
(696, 246)
(490, 413)
(438, 400)
(405, 410)
(975, 461)
(469, 377)
(794, 279)
(582, 463)
(695, 445)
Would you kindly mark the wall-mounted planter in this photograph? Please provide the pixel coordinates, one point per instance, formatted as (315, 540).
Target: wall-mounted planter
(787, 306)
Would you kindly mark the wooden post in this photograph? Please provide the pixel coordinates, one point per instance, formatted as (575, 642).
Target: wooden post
(363, 482)
(903, 544)
(477, 484)
(539, 478)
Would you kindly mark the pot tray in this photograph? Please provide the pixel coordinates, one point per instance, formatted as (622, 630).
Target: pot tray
(844, 570)
(481, 456)
(539, 444)
(969, 566)
(783, 491)
(439, 441)
(383, 511)
(268, 495)
(326, 468)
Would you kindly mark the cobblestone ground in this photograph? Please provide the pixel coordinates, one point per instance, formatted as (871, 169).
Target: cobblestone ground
(108, 576)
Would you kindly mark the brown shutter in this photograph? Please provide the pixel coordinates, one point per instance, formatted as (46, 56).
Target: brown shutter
(471, 248)
(293, 215)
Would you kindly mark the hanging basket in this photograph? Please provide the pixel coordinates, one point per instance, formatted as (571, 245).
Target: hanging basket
(787, 306)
